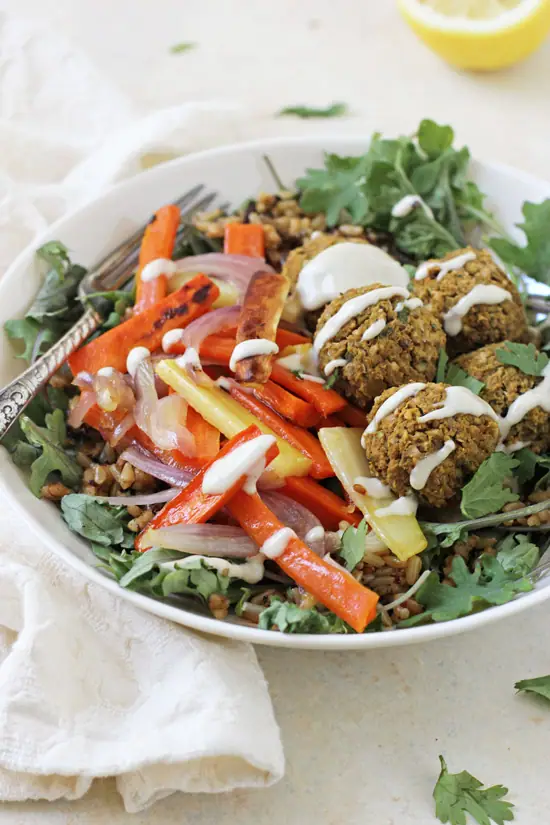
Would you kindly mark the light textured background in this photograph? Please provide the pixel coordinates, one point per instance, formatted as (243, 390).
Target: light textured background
(361, 731)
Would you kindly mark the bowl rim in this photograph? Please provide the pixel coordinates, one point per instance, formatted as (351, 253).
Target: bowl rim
(180, 615)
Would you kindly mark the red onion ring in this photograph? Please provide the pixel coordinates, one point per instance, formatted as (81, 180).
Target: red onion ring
(143, 460)
(234, 269)
(206, 539)
(297, 517)
(161, 419)
(142, 501)
(84, 404)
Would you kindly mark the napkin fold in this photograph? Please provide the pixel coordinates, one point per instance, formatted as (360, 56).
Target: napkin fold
(89, 685)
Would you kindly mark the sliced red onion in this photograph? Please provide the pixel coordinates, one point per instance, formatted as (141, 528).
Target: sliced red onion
(298, 518)
(161, 419)
(142, 501)
(78, 413)
(143, 460)
(235, 269)
(113, 392)
(84, 380)
(122, 428)
(193, 336)
(206, 539)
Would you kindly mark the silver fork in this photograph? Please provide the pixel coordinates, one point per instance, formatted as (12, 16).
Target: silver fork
(112, 273)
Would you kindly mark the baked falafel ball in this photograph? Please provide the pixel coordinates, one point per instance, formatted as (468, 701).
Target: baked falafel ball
(503, 384)
(482, 323)
(402, 344)
(400, 440)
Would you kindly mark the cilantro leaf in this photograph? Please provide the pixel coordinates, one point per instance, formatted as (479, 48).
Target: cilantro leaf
(334, 110)
(518, 555)
(539, 685)
(456, 794)
(486, 492)
(94, 519)
(534, 258)
(56, 255)
(53, 458)
(523, 356)
(488, 584)
(434, 139)
(181, 48)
(353, 545)
(442, 363)
(337, 187)
(289, 618)
(453, 374)
(27, 331)
(527, 464)
(332, 379)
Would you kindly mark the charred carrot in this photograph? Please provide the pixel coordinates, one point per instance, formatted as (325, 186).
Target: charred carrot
(158, 242)
(194, 506)
(353, 416)
(261, 312)
(295, 409)
(286, 338)
(329, 508)
(328, 583)
(329, 421)
(207, 437)
(146, 329)
(325, 401)
(300, 439)
(244, 239)
(219, 347)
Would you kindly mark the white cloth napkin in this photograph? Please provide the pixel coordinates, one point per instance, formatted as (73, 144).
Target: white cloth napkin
(90, 686)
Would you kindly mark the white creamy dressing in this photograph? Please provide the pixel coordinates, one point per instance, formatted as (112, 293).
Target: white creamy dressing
(275, 545)
(106, 372)
(346, 266)
(425, 467)
(444, 267)
(305, 376)
(160, 266)
(315, 534)
(189, 360)
(403, 506)
(480, 294)
(251, 571)
(410, 303)
(253, 476)
(135, 357)
(511, 448)
(304, 363)
(248, 349)
(460, 401)
(334, 365)
(539, 396)
(223, 382)
(173, 336)
(374, 330)
(350, 309)
(408, 204)
(242, 461)
(373, 487)
(392, 403)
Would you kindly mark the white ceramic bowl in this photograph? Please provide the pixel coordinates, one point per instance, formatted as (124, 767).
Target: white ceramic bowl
(236, 172)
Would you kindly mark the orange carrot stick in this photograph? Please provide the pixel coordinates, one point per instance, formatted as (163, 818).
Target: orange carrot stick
(192, 505)
(244, 239)
(146, 329)
(353, 416)
(286, 338)
(207, 437)
(297, 437)
(329, 508)
(330, 584)
(158, 242)
(289, 406)
(329, 421)
(325, 401)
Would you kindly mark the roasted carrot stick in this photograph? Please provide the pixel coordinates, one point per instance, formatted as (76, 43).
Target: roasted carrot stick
(207, 437)
(297, 437)
(219, 347)
(329, 508)
(158, 242)
(192, 505)
(329, 421)
(353, 416)
(325, 401)
(146, 329)
(289, 406)
(244, 239)
(330, 584)
(286, 338)
(261, 312)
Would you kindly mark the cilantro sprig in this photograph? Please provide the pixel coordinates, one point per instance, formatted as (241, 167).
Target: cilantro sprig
(486, 492)
(539, 685)
(455, 375)
(457, 794)
(334, 110)
(534, 258)
(525, 357)
(353, 545)
(51, 454)
(289, 618)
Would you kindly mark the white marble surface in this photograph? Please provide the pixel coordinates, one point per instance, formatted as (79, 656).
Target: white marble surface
(362, 731)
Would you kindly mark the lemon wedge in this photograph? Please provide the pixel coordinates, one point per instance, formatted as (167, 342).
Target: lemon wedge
(479, 34)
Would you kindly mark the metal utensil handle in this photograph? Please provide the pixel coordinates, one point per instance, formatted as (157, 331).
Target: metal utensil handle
(15, 396)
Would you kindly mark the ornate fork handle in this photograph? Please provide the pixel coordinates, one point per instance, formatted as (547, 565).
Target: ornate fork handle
(15, 396)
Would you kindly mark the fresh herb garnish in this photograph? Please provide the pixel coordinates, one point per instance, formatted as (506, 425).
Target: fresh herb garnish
(524, 357)
(453, 374)
(488, 584)
(539, 685)
(517, 555)
(403, 315)
(334, 110)
(332, 379)
(436, 528)
(27, 331)
(289, 618)
(534, 258)
(273, 172)
(353, 545)
(486, 492)
(181, 48)
(96, 520)
(53, 457)
(457, 794)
